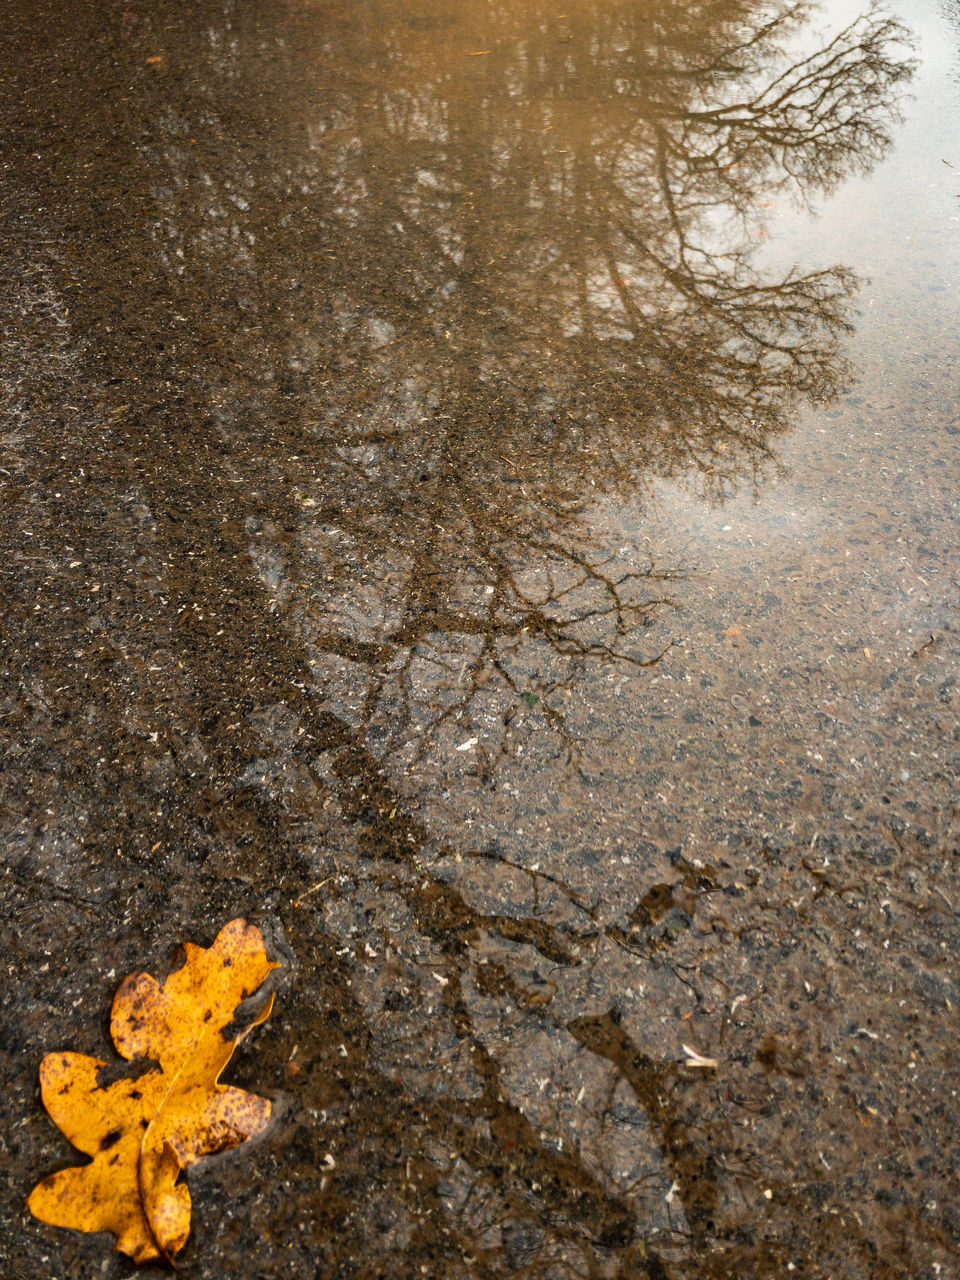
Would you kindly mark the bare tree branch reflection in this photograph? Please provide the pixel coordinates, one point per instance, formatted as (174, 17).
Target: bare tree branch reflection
(556, 303)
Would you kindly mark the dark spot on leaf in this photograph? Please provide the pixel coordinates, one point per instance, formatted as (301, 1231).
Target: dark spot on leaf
(110, 1072)
(110, 1139)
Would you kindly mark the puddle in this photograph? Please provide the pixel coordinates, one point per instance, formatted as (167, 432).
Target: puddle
(478, 497)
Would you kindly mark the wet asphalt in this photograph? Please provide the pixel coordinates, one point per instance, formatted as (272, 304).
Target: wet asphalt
(478, 499)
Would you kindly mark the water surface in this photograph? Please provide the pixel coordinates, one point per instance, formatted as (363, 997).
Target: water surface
(478, 496)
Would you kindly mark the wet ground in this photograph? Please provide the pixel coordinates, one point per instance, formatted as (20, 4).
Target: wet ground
(478, 496)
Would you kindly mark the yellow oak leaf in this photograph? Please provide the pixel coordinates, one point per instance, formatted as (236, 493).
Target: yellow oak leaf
(144, 1128)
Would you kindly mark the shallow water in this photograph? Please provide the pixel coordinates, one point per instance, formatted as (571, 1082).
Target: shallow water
(479, 499)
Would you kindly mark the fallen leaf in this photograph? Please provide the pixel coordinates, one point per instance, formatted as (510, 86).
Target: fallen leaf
(143, 1129)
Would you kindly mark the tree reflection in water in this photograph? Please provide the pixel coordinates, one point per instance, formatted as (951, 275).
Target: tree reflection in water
(453, 285)
(519, 270)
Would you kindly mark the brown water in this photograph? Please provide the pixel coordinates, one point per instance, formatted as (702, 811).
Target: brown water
(479, 495)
